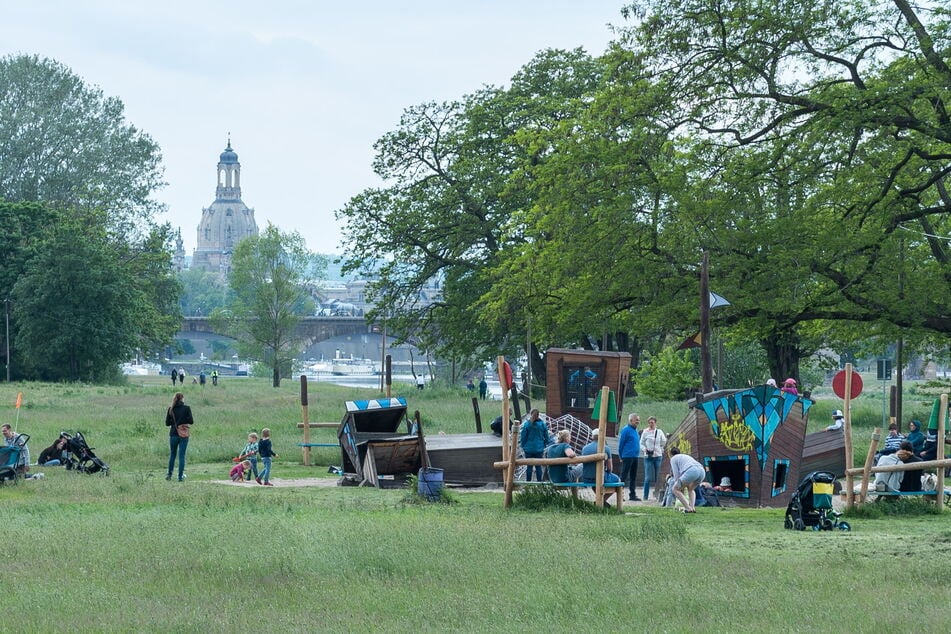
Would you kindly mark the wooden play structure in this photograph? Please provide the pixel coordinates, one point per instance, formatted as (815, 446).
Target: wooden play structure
(753, 436)
(510, 462)
(576, 376)
(940, 413)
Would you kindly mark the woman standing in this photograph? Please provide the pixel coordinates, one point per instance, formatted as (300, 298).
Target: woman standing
(687, 473)
(653, 441)
(179, 420)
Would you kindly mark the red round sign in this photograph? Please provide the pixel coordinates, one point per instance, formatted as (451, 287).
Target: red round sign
(838, 384)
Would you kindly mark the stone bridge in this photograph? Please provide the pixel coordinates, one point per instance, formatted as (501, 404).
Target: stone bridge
(311, 329)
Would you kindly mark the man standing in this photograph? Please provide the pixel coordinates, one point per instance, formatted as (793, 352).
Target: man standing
(629, 448)
(13, 439)
(483, 388)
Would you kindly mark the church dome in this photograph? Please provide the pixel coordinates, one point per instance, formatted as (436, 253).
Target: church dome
(229, 155)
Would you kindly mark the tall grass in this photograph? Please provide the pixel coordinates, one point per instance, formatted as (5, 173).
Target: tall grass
(132, 552)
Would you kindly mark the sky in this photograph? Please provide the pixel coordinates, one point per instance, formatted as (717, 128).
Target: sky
(304, 88)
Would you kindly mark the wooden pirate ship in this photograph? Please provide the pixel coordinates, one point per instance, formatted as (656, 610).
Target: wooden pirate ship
(754, 437)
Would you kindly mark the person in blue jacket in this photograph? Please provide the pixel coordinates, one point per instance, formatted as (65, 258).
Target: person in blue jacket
(533, 438)
(629, 449)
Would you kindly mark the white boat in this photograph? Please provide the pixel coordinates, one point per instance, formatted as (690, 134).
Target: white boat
(347, 367)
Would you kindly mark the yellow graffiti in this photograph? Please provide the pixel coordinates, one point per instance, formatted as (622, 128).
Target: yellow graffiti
(681, 443)
(735, 435)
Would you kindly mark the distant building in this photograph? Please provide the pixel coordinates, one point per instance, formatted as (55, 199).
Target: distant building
(226, 221)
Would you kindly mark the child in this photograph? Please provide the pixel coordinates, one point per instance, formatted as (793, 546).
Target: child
(266, 453)
(237, 471)
(250, 452)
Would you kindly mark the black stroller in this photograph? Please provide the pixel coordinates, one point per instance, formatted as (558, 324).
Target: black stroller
(811, 505)
(9, 457)
(83, 459)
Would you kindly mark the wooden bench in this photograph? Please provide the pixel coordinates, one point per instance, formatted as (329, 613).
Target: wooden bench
(899, 494)
(574, 486)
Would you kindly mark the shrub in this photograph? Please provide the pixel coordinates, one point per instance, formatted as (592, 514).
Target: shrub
(666, 376)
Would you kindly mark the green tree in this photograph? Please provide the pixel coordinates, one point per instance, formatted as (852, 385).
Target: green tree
(453, 185)
(268, 276)
(202, 292)
(66, 144)
(77, 308)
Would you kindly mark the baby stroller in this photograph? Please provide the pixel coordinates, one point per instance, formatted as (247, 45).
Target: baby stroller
(83, 459)
(811, 505)
(9, 457)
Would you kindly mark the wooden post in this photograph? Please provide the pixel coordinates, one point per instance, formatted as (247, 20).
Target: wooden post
(515, 403)
(706, 366)
(942, 415)
(507, 454)
(602, 427)
(423, 455)
(303, 404)
(478, 416)
(388, 374)
(866, 474)
(849, 479)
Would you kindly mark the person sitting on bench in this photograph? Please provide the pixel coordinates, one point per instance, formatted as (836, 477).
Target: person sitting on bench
(589, 470)
(562, 449)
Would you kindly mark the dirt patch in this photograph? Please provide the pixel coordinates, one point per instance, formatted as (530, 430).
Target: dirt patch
(283, 483)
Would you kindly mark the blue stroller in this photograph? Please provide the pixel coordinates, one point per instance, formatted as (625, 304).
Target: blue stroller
(9, 457)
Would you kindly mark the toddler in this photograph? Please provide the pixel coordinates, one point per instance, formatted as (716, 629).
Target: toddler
(237, 471)
(250, 453)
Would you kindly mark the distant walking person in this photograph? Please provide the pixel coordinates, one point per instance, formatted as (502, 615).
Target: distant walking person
(178, 419)
(483, 388)
(174, 377)
(214, 377)
(181, 376)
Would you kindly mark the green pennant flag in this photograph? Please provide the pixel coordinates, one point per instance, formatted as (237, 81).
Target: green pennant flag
(935, 412)
(612, 407)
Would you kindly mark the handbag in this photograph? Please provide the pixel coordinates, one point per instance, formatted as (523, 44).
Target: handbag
(183, 431)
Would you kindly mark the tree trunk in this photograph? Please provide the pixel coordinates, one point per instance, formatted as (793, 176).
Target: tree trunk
(277, 375)
(782, 353)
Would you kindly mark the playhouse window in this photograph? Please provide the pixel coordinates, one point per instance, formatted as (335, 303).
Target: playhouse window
(734, 467)
(780, 472)
(581, 385)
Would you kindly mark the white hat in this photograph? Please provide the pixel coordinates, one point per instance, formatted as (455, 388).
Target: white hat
(725, 481)
(594, 433)
(837, 413)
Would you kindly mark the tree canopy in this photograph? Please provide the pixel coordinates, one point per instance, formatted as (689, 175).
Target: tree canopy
(269, 296)
(77, 180)
(804, 146)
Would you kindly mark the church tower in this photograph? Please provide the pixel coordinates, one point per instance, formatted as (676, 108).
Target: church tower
(226, 221)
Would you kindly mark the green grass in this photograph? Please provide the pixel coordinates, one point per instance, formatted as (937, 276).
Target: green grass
(132, 552)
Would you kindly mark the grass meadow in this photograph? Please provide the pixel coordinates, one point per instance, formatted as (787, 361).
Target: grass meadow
(132, 552)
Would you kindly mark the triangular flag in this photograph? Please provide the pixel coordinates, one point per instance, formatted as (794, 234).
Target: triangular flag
(19, 399)
(612, 407)
(716, 301)
(693, 341)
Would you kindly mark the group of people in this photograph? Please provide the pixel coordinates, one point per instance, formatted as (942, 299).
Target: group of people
(179, 419)
(536, 441)
(178, 376)
(898, 448)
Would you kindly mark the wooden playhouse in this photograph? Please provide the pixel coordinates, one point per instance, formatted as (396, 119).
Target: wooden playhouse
(575, 378)
(753, 436)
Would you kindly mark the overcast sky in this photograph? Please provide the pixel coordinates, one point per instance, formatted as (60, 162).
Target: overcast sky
(303, 87)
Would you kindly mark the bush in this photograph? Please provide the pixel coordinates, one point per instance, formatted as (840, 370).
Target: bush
(666, 376)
